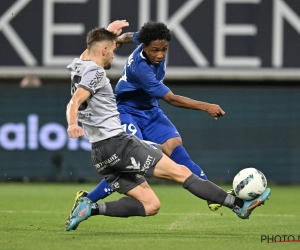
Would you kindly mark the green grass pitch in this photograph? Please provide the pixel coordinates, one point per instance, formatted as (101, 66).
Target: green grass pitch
(33, 216)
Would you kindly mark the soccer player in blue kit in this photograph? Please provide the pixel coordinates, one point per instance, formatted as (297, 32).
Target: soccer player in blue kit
(137, 92)
(141, 85)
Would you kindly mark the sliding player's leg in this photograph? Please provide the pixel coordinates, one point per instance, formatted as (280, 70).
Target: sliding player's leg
(204, 189)
(144, 202)
(140, 201)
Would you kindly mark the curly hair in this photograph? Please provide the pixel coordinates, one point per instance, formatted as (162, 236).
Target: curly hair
(152, 31)
(98, 35)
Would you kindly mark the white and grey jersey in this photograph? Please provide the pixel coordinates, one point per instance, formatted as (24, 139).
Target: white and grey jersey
(98, 115)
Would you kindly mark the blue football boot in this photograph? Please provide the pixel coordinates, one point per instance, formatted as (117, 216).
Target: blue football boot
(249, 206)
(81, 213)
(78, 197)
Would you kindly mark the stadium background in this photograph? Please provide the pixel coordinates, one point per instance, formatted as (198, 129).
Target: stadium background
(243, 55)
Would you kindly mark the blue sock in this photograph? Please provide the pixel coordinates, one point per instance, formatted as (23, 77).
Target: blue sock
(180, 156)
(101, 191)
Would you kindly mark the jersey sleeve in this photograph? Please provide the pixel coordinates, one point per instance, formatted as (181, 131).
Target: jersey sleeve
(134, 38)
(93, 79)
(146, 78)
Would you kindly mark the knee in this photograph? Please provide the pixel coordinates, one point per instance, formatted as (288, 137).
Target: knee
(170, 145)
(152, 206)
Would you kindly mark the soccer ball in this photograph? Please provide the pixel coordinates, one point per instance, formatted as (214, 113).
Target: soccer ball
(249, 183)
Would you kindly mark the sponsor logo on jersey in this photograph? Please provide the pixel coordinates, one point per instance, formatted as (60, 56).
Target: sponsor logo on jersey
(150, 159)
(115, 185)
(134, 165)
(85, 116)
(98, 77)
(106, 163)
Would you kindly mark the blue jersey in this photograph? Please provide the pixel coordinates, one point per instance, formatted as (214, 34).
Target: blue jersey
(137, 92)
(141, 84)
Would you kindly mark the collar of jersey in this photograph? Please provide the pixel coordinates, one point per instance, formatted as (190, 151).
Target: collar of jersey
(142, 56)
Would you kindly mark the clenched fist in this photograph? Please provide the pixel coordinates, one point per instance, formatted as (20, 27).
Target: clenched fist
(215, 111)
(75, 131)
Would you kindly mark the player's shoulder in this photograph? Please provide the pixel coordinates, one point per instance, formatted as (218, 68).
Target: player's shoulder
(73, 65)
(140, 60)
(91, 66)
(90, 70)
(83, 66)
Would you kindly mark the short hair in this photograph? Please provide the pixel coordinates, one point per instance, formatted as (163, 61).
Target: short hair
(99, 35)
(152, 31)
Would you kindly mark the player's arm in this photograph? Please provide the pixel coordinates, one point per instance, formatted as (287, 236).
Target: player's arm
(184, 102)
(74, 130)
(157, 89)
(124, 38)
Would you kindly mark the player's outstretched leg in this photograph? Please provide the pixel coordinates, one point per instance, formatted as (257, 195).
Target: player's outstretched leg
(81, 213)
(209, 191)
(215, 207)
(205, 189)
(249, 206)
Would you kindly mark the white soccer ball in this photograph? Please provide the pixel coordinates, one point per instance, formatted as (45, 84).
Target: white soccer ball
(249, 183)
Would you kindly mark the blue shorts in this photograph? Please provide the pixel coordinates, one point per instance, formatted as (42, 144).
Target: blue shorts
(151, 125)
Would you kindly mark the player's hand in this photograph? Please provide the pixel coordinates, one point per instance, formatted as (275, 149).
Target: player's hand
(75, 131)
(117, 26)
(119, 45)
(215, 111)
